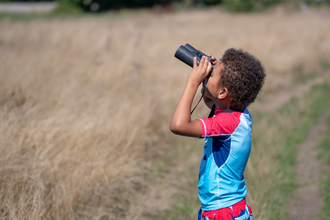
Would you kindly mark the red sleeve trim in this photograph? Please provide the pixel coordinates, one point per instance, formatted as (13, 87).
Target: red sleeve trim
(221, 124)
(204, 130)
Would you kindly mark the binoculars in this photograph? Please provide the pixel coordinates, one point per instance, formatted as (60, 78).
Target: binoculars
(187, 53)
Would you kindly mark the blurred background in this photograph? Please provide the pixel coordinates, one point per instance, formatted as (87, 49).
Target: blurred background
(88, 89)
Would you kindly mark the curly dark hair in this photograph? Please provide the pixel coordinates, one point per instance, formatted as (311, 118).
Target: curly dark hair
(243, 75)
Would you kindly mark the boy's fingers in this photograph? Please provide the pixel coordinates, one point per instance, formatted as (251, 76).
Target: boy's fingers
(209, 66)
(201, 62)
(204, 63)
(194, 62)
(212, 57)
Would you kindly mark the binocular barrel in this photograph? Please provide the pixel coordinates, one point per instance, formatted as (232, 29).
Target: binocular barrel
(187, 53)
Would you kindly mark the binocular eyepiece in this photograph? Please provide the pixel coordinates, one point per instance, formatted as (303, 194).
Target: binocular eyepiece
(187, 53)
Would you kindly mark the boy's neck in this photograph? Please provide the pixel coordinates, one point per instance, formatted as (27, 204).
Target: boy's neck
(222, 104)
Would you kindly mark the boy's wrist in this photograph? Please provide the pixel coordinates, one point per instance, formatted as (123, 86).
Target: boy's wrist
(192, 84)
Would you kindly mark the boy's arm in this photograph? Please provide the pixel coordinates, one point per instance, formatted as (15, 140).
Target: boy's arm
(181, 123)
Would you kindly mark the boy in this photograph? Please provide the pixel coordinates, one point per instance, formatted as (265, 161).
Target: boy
(234, 83)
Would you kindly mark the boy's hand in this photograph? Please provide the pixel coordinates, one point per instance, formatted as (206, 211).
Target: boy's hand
(214, 60)
(199, 73)
(181, 122)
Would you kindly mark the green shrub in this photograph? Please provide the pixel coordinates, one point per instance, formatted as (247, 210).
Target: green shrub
(27, 0)
(212, 2)
(249, 5)
(240, 5)
(99, 5)
(141, 3)
(69, 6)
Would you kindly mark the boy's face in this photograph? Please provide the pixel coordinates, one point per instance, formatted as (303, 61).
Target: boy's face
(213, 83)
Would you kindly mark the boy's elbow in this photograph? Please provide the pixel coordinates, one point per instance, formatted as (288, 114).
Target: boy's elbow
(175, 128)
(186, 129)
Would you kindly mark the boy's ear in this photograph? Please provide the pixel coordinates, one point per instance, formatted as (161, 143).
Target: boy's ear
(223, 93)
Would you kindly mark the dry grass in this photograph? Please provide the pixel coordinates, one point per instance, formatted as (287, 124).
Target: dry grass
(86, 103)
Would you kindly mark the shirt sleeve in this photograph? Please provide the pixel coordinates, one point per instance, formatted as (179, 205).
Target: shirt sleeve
(220, 124)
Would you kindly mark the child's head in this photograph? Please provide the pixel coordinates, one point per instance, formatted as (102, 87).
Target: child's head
(243, 75)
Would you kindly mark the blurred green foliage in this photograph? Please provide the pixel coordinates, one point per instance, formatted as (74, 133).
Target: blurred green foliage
(27, 0)
(73, 6)
(99, 5)
(249, 5)
(240, 5)
(69, 6)
(212, 2)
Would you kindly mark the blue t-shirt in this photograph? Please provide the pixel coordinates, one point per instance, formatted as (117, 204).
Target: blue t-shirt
(228, 136)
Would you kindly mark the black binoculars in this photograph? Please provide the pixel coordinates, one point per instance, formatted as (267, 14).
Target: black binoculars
(187, 53)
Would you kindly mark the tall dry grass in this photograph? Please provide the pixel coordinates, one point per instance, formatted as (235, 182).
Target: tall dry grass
(86, 103)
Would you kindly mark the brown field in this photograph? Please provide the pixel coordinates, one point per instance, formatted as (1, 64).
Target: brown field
(85, 103)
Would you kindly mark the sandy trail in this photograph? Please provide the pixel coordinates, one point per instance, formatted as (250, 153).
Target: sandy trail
(275, 101)
(307, 202)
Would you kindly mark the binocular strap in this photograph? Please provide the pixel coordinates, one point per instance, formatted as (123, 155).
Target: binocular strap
(203, 92)
(199, 100)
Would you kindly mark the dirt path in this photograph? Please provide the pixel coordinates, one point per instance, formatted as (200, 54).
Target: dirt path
(273, 102)
(307, 202)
